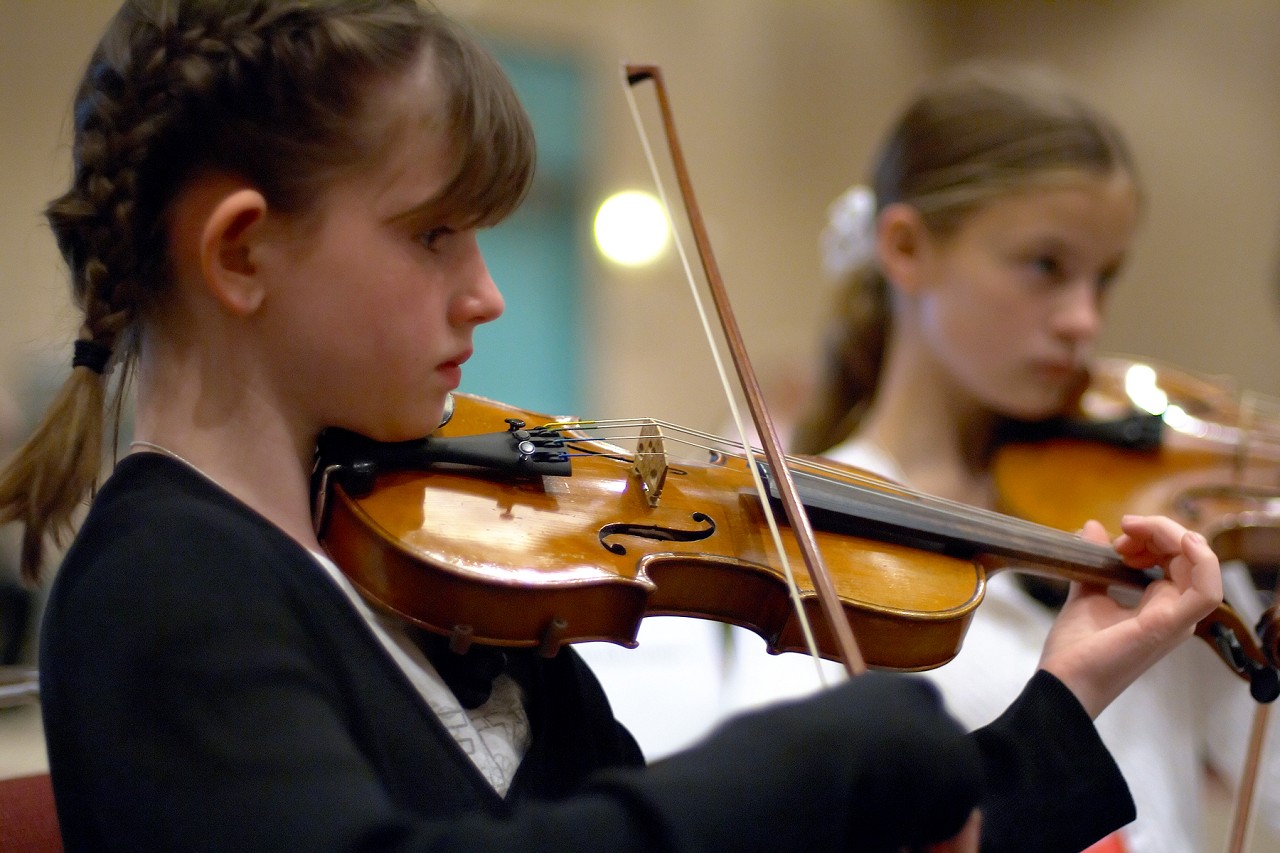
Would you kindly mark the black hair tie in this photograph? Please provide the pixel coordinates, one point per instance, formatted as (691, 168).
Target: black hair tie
(92, 355)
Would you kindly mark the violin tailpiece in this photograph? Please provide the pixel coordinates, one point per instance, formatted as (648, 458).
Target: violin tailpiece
(651, 461)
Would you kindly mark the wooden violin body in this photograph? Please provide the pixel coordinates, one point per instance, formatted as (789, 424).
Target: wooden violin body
(544, 560)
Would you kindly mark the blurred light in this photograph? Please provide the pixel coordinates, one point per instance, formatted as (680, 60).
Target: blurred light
(631, 228)
(1140, 384)
(1176, 418)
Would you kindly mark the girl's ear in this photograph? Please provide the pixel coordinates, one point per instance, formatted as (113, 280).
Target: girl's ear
(228, 240)
(902, 245)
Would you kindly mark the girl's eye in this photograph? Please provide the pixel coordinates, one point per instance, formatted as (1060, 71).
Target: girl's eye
(1047, 265)
(1107, 278)
(430, 239)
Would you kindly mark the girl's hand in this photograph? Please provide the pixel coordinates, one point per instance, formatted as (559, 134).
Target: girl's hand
(1098, 647)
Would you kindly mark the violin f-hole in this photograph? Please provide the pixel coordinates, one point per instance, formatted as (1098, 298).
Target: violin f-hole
(656, 532)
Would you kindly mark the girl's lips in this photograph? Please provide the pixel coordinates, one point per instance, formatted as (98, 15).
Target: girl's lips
(1061, 368)
(451, 373)
(451, 370)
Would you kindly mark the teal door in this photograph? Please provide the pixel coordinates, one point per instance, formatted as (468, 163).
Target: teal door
(532, 355)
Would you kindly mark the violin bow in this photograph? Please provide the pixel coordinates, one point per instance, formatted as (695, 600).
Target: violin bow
(1245, 790)
(850, 654)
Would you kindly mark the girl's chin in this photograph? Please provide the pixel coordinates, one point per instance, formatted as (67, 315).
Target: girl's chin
(429, 414)
(412, 419)
(1039, 411)
(1031, 406)
(405, 429)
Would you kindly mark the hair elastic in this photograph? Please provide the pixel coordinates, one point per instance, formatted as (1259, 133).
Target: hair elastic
(91, 354)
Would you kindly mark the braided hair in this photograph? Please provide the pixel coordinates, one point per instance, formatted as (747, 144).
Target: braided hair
(979, 132)
(269, 90)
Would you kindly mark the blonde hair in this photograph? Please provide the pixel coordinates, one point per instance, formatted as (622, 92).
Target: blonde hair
(977, 133)
(270, 90)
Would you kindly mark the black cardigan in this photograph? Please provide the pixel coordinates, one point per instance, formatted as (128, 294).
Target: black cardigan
(206, 687)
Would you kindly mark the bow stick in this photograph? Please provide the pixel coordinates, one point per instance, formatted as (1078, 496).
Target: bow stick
(1245, 789)
(1241, 815)
(796, 516)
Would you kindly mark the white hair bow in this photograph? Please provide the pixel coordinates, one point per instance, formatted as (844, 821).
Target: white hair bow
(849, 240)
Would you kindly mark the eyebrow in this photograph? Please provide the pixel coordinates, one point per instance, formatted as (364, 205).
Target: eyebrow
(445, 207)
(1115, 264)
(433, 207)
(1040, 242)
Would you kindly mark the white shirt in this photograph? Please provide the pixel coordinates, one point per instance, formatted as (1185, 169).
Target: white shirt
(495, 736)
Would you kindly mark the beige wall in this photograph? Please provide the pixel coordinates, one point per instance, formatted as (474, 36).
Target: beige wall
(779, 105)
(43, 47)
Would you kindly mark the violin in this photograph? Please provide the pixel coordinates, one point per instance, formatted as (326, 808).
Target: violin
(510, 528)
(1152, 439)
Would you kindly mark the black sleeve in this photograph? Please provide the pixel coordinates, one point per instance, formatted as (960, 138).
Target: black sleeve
(234, 739)
(198, 695)
(872, 765)
(205, 710)
(1050, 783)
(878, 765)
(264, 762)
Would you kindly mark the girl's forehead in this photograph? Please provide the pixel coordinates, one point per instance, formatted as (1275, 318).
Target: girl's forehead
(1085, 194)
(459, 141)
(409, 138)
(412, 173)
(403, 110)
(423, 93)
(1094, 214)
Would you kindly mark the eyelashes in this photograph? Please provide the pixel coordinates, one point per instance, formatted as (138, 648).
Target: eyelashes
(431, 238)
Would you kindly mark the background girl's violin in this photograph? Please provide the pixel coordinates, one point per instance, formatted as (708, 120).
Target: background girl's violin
(498, 532)
(1153, 439)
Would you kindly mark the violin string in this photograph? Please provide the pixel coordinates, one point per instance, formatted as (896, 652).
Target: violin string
(876, 493)
(852, 476)
(1260, 426)
(794, 590)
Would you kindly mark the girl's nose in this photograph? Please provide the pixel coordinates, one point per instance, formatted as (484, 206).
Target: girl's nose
(1078, 315)
(479, 301)
(487, 299)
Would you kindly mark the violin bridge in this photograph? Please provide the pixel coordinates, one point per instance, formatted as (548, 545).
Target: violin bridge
(651, 461)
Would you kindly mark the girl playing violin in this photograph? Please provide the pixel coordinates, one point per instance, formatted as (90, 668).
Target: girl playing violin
(272, 227)
(977, 268)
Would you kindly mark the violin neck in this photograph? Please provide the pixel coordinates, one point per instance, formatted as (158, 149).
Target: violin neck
(892, 514)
